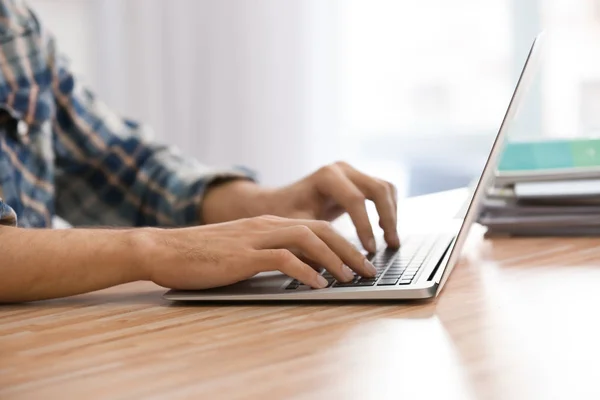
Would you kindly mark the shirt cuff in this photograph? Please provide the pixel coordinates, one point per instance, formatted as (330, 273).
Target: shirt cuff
(190, 214)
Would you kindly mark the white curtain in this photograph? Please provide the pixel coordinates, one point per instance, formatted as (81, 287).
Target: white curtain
(227, 81)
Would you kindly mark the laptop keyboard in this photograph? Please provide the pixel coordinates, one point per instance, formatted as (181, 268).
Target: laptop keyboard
(394, 266)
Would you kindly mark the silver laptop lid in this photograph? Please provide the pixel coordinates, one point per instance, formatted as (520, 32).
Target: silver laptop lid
(476, 195)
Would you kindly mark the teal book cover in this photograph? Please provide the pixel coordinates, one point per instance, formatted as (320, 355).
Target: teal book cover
(550, 155)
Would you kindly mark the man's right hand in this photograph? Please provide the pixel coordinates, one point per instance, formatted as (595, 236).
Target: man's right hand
(42, 264)
(221, 254)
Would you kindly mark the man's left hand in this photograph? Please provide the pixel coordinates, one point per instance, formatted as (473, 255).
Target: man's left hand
(323, 195)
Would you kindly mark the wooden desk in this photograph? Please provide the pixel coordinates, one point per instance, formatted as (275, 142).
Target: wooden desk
(517, 320)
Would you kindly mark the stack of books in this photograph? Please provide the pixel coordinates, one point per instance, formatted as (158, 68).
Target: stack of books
(545, 188)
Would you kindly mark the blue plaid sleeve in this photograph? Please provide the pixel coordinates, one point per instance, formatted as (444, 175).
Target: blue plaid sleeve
(110, 172)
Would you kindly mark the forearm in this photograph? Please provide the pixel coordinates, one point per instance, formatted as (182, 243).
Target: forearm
(43, 264)
(234, 200)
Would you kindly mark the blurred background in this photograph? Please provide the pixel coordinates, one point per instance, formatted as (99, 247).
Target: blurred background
(409, 90)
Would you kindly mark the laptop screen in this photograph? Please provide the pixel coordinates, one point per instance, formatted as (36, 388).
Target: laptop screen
(485, 177)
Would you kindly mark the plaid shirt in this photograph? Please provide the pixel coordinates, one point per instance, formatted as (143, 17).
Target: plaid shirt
(63, 152)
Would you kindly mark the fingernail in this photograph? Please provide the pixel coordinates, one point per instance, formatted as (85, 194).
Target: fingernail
(348, 273)
(372, 246)
(321, 282)
(370, 267)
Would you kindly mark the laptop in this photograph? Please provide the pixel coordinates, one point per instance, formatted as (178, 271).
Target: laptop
(421, 266)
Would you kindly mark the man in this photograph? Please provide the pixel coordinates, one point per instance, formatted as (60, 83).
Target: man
(63, 152)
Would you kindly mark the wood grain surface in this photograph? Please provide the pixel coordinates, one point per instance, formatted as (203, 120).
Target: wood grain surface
(518, 319)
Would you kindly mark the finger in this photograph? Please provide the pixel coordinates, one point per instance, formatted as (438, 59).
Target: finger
(349, 254)
(303, 238)
(284, 261)
(345, 250)
(394, 190)
(335, 184)
(382, 195)
(306, 260)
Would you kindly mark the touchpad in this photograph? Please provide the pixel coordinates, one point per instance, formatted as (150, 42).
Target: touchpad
(265, 282)
(265, 279)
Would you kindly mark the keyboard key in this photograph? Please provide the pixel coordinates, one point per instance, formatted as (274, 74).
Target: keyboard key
(400, 264)
(404, 281)
(344, 284)
(347, 284)
(381, 267)
(394, 273)
(384, 257)
(386, 282)
(368, 279)
(391, 276)
(369, 282)
(396, 269)
(293, 285)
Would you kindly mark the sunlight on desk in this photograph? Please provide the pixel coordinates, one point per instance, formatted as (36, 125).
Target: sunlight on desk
(396, 357)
